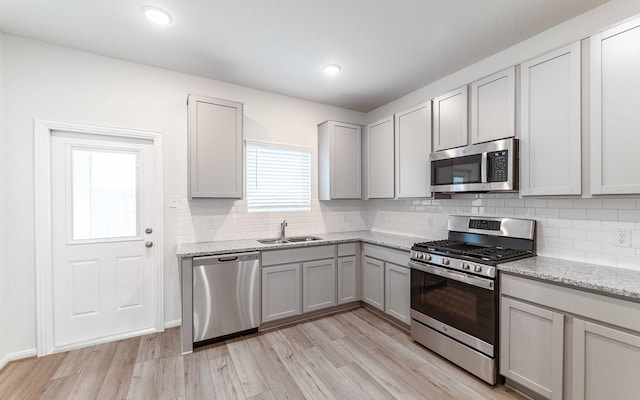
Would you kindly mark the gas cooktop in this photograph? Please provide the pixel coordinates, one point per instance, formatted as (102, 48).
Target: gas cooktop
(471, 251)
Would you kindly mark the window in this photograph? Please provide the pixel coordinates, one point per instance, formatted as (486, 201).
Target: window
(278, 178)
(104, 193)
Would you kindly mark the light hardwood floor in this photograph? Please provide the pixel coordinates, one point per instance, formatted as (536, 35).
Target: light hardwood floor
(350, 355)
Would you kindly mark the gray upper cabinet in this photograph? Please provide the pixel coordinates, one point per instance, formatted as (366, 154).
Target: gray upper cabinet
(615, 120)
(493, 107)
(450, 120)
(379, 160)
(412, 147)
(339, 161)
(214, 148)
(550, 144)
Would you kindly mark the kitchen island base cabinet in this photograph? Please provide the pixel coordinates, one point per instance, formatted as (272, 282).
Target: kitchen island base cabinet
(531, 351)
(281, 296)
(318, 285)
(606, 362)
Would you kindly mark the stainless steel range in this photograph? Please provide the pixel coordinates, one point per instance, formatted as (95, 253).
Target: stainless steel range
(454, 294)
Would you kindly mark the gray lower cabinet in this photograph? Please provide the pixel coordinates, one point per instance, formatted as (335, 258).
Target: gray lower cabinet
(548, 332)
(605, 362)
(373, 282)
(318, 284)
(397, 282)
(347, 279)
(531, 352)
(299, 280)
(386, 280)
(281, 296)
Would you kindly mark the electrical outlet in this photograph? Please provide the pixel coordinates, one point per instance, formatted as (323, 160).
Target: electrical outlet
(346, 217)
(381, 217)
(622, 238)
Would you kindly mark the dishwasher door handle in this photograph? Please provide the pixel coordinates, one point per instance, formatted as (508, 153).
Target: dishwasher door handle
(227, 259)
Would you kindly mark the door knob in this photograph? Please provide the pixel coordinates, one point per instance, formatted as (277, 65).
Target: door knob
(148, 230)
(148, 244)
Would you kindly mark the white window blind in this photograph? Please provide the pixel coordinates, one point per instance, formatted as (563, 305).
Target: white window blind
(278, 178)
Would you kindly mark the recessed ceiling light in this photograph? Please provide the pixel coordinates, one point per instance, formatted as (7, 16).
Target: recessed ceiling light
(157, 15)
(332, 69)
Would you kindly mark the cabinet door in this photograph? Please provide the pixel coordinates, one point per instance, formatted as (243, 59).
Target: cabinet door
(347, 280)
(531, 347)
(615, 120)
(346, 160)
(396, 291)
(380, 159)
(550, 145)
(318, 284)
(493, 109)
(215, 148)
(605, 362)
(281, 292)
(413, 145)
(373, 282)
(450, 120)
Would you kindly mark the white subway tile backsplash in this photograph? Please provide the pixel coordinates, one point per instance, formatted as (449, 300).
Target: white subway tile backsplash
(576, 229)
(574, 234)
(601, 214)
(587, 225)
(620, 204)
(573, 213)
(547, 213)
(629, 215)
(535, 203)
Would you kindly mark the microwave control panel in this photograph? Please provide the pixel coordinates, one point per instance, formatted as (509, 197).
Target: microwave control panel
(498, 166)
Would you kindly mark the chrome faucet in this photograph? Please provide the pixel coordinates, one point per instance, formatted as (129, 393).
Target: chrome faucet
(283, 225)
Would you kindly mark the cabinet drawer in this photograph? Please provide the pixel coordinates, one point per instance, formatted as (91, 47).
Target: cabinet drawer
(297, 255)
(386, 254)
(347, 249)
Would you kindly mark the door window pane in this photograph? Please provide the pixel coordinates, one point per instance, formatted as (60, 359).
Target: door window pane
(104, 194)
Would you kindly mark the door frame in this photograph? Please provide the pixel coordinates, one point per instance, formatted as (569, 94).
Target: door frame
(43, 230)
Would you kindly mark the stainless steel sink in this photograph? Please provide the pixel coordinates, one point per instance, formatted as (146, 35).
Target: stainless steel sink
(297, 239)
(273, 241)
(294, 239)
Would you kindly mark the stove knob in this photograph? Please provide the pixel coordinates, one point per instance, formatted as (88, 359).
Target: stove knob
(427, 257)
(466, 266)
(420, 256)
(445, 261)
(478, 268)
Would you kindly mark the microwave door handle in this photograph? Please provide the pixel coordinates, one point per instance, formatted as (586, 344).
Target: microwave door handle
(483, 172)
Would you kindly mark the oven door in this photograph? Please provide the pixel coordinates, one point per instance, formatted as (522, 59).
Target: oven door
(459, 305)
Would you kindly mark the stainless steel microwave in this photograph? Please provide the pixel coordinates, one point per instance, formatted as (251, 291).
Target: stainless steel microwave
(483, 167)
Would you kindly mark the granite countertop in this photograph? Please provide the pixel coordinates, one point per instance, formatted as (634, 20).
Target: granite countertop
(612, 281)
(624, 283)
(400, 242)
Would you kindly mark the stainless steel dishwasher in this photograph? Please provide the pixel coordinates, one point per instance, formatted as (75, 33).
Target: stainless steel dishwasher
(226, 296)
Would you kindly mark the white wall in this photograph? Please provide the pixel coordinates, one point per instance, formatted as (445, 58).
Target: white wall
(4, 285)
(50, 82)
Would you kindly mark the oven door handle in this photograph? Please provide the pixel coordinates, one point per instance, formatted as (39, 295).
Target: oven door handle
(456, 276)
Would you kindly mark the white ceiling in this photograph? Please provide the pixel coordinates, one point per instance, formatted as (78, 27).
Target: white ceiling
(387, 48)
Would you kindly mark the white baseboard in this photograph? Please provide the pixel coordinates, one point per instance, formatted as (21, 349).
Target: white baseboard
(17, 356)
(172, 324)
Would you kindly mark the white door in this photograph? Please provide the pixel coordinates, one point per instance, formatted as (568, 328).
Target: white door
(104, 268)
